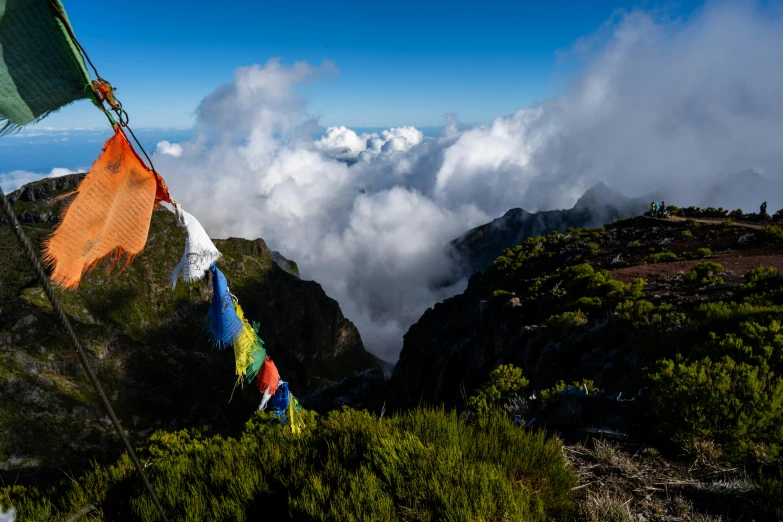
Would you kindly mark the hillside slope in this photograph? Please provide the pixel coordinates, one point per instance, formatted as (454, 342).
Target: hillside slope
(147, 344)
(602, 305)
(644, 338)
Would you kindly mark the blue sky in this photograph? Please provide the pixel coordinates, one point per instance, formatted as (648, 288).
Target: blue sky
(399, 63)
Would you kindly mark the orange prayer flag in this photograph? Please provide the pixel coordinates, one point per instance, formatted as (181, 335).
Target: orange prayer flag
(109, 217)
(268, 379)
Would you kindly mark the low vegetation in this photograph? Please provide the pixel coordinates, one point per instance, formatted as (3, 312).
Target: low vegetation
(425, 464)
(663, 257)
(698, 348)
(705, 273)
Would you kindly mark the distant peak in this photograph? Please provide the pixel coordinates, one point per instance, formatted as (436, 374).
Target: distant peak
(599, 194)
(516, 212)
(746, 176)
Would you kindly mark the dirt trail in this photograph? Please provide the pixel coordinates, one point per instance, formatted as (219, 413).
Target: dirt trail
(713, 221)
(737, 264)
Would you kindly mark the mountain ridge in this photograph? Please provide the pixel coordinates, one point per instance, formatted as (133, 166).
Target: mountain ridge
(599, 205)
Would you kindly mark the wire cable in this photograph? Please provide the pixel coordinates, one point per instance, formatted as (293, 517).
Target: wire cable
(122, 115)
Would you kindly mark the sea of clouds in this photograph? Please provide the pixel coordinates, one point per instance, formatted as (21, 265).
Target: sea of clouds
(652, 102)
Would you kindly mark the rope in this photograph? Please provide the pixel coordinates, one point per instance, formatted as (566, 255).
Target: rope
(101, 87)
(27, 248)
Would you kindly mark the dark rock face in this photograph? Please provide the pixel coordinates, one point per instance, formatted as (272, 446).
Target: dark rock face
(147, 344)
(456, 344)
(598, 206)
(32, 201)
(286, 264)
(42, 190)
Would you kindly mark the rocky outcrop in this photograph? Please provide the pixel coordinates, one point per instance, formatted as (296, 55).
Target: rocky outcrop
(147, 344)
(286, 264)
(33, 202)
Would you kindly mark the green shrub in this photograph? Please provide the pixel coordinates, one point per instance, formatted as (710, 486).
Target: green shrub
(668, 315)
(766, 497)
(643, 313)
(567, 320)
(758, 342)
(592, 248)
(537, 285)
(577, 271)
(425, 464)
(760, 274)
(550, 393)
(634, 244)
(739, 406)
(704, 273)
(686, 233)
(701, 253)
(773, 232)
(727, 223)
(636, 312)
(589, 303)
(504, 382)
(499, 294)
(586, 282)
(763, 283)
(513, 259)
(662, 257)
(724, 313)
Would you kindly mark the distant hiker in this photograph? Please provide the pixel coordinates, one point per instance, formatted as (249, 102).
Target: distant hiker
(764, 209)
(655, 208)
(662, 210)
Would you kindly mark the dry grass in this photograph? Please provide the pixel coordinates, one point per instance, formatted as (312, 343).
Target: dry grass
(608, 453)
(625, 484)
(603, 506)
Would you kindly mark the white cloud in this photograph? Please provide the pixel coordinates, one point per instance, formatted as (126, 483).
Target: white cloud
(60, 171)
(342, 143)
(10, 181)
(172, 149)
(656, 102)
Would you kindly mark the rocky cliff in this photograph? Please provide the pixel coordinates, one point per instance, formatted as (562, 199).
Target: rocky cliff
(147, 344)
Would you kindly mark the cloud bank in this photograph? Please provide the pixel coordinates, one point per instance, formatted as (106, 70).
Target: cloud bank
(656, 103)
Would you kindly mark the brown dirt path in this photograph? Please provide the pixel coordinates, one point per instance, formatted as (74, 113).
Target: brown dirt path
(737, 264)
(715, 221)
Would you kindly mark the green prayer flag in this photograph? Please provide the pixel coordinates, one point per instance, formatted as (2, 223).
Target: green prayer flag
(41, 68)
(257, 357)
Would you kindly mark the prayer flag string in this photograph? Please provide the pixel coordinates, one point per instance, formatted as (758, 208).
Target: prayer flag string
(42, 69)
